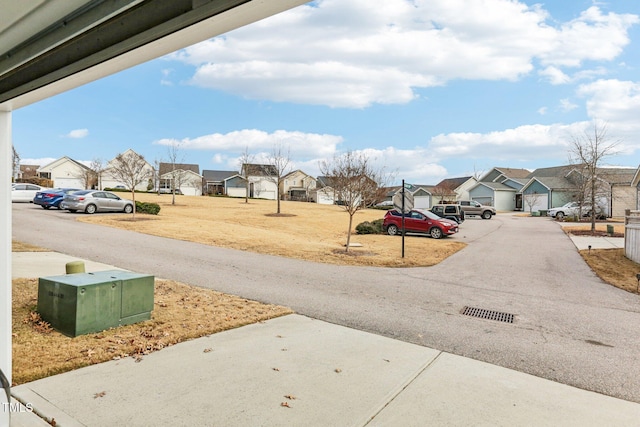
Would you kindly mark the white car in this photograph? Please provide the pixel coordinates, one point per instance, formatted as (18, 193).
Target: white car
(572, 209)
(22, 192)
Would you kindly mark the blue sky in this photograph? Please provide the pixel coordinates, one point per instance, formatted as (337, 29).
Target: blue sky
(427, 89)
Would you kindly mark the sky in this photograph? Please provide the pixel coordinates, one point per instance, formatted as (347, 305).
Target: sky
(426, 89)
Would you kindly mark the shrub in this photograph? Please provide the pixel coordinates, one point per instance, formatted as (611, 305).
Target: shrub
(370, 227)
(148, 208)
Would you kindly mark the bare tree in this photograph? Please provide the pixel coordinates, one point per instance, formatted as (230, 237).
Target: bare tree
(15, 163)
(176, 158)
(131, 169)
(444, 191)
(244, 160)
(89, 176)
(587, 152)
(279, 166)
(354, 181)
(531, 199)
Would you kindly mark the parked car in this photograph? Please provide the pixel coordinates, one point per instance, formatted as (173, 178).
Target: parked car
(573, 209)
(169, 191)
(22, 192)
(52, 198)
(91, 201)
(450, 211)
(473, 208)
(418, 221)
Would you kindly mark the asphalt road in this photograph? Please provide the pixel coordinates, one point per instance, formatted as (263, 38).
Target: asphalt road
(569, 326)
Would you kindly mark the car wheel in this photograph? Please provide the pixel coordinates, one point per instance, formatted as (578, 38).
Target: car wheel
(486, 215)
(392, 230)
(560, 215)
(128, 209)
(44, 207)
(435, 233)
(90, 209)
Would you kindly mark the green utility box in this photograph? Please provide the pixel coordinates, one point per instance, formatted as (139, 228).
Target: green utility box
(82, 303)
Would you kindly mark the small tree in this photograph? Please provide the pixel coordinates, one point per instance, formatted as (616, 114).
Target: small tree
(244, 161)
(131, 169)
(531, 200)
(15, 165)
(278, 168)
(176, 158)
(90, 176)
(444, 191)
(354, 180)
(587, 152)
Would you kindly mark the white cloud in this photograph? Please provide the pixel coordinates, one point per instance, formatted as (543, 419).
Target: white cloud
(524, 143)
(542, 111)
(78, 133)
(301, 145)
(566, 105)
(554, 75)
(354, 53)
(613, 101)
(166, 74)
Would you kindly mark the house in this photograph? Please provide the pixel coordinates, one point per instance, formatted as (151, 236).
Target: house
(555, 186)
(262, 184)
(213, 181)
(297, 185)
(109, 178)
(423, 195)
(500, 188)
(451, 189)
(68, 173)
(323, 194)
(28, 171)
(181, 176)
(235, 186)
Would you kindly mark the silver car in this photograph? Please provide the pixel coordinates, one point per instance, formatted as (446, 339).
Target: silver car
(91, 201)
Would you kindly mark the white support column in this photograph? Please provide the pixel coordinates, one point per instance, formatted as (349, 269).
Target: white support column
(6, 171)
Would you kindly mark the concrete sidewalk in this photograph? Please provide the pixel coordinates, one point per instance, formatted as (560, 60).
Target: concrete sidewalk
(295, 370)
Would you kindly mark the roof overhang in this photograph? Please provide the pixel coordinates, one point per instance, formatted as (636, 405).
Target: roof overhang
(50, 46)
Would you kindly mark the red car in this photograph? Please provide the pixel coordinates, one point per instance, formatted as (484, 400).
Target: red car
(419, 221)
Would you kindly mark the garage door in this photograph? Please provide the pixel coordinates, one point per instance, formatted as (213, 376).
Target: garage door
(68, 183)
(536, 202)
(421, 202)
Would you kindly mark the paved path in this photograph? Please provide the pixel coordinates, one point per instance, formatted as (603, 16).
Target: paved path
(570, 327)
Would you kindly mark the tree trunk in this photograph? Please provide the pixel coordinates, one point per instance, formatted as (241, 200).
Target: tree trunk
(349, 233)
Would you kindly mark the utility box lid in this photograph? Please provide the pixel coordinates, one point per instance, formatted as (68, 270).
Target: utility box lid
(82, 303)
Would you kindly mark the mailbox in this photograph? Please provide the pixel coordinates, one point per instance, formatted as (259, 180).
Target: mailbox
(82, 303)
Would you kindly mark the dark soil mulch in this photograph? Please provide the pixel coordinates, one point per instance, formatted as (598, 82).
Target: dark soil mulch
(598, 233)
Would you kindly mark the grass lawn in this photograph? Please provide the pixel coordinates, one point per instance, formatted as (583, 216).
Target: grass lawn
(307, 231)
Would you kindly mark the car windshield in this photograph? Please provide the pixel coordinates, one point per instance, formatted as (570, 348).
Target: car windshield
(430, 215)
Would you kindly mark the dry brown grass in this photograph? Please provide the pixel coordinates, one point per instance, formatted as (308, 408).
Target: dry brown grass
(24, 247)
(181, 312)
(613, 267)
(305, 231)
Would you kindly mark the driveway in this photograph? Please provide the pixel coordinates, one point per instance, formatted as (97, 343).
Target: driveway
(569, 326)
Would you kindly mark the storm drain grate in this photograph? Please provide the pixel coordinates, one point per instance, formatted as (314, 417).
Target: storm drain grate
(488, 314)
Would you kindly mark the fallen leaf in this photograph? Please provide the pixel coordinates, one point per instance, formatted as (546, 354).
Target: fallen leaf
(101, 394)
(285, 404)
(290, 396)
(276, 369)
(53, 422)
(386, 360)
(338, 370)
(208, 350)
